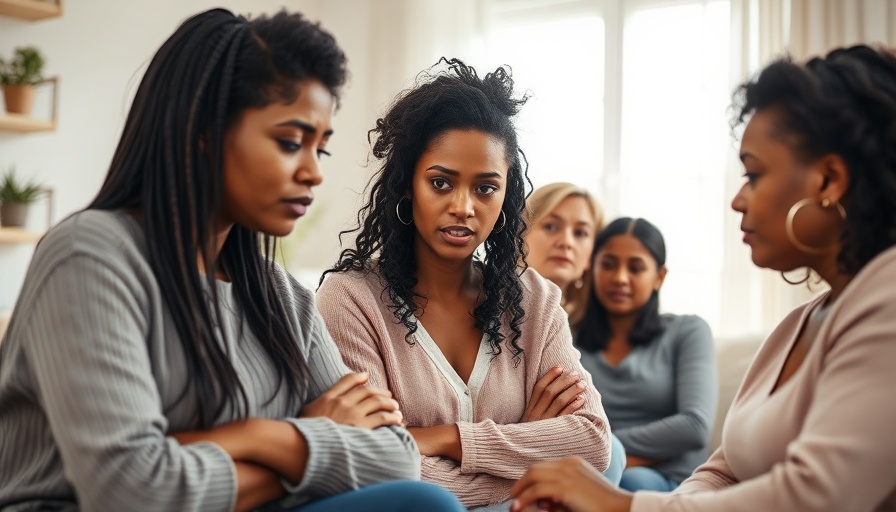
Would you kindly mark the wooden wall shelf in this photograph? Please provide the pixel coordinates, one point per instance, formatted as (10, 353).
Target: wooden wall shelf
(24, 124)
(21, 123)
(31, 10)
(18, 236)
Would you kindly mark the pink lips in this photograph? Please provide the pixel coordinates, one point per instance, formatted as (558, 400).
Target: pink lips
(456, 235)
(298, 205)
(560, 260)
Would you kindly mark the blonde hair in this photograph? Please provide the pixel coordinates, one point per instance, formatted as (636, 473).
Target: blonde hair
(541, 203)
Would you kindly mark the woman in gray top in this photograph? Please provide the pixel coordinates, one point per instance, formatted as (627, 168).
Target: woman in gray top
(656, 373)
(157, 358)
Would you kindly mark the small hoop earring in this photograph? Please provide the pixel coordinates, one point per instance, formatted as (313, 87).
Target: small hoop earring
(791, 215)
(398, 213)
(801, 281)
(503, 223)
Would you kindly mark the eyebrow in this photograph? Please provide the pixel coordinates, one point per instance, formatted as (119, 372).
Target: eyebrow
(452, 172)
(586, 223)
(747, 154)
(305, 127)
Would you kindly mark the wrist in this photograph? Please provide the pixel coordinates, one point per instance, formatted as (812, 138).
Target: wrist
(622, 501)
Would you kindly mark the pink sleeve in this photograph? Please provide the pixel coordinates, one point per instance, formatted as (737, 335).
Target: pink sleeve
(712, 475)
(508, 450)
(352, 330)
(843, 458)
(473, 490)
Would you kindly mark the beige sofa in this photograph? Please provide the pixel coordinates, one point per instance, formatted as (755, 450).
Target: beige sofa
(733, 357)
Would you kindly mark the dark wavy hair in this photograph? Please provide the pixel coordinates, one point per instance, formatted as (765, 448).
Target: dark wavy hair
(842, 103)
(455, 98)
(593, 332)
(167, 170)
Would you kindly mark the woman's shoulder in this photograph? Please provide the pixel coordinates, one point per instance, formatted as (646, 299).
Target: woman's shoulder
(875, 277)
(107, 235)
(870, 298)
(349, 282)
(537, 289)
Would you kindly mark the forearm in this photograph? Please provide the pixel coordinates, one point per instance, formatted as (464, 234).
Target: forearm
(272, 444)
(508, 450)
(256, 485)
(665, 438)
(473, 490)
(438, 441)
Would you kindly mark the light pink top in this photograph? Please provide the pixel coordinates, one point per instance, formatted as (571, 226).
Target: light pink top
(824, 440)
(487, 409)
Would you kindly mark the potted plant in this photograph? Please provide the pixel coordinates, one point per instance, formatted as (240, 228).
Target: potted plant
(18, 77)
(15, 198)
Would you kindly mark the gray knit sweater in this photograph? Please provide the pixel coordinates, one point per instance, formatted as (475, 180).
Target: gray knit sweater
(661, 399)
(91, 369)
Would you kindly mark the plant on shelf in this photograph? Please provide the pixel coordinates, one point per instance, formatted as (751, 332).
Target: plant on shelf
(18, 77)
(15, 198)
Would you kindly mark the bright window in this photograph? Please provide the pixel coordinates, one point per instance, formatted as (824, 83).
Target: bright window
(629, 99)
(561, 63)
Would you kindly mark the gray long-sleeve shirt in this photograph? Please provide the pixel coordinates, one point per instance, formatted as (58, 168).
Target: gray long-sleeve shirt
(661, 399)
(91, 369)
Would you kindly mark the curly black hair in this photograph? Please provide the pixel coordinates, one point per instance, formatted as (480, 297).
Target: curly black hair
(842, 103)
(452, 98)
(167, 168)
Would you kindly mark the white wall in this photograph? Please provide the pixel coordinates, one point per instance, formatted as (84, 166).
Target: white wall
(100, 48)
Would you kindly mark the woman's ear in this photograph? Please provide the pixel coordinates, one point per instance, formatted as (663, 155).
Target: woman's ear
(661, 276)
(834, 177)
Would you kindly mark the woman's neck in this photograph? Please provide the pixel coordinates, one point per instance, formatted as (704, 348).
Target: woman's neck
(621, 326)
(437, 277)
(829, 271)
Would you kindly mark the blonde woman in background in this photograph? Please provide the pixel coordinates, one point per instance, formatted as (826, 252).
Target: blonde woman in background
(563, 220)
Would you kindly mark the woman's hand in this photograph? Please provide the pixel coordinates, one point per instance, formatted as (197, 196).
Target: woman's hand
(556, 393)
(351, 402)
(567, 484)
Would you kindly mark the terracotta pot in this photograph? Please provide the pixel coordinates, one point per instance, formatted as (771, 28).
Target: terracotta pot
(19, 98)
(13, 215)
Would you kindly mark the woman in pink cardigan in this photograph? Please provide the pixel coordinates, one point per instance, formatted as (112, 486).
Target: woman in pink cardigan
(811, 428)
(476, 349)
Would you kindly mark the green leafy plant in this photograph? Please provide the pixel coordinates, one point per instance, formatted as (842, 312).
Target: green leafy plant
(14, 191)
(24, 68)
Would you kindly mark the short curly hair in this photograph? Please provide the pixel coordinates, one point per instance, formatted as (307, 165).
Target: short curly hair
(453, 98)
(842, 103)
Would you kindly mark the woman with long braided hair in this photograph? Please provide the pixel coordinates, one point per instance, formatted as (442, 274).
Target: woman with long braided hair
(158, 359)
(476, 349)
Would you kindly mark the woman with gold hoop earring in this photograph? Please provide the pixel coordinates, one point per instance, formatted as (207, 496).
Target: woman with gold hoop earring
(810, 428)
(474, 347)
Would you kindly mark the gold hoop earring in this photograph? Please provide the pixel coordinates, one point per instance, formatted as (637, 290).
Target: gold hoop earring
(398, 213)
(791, 215)
(503, 223)
(801, 281)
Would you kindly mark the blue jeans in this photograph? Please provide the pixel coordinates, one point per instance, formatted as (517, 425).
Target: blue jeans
(643, 478)
(398, 496)
(617, 461)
